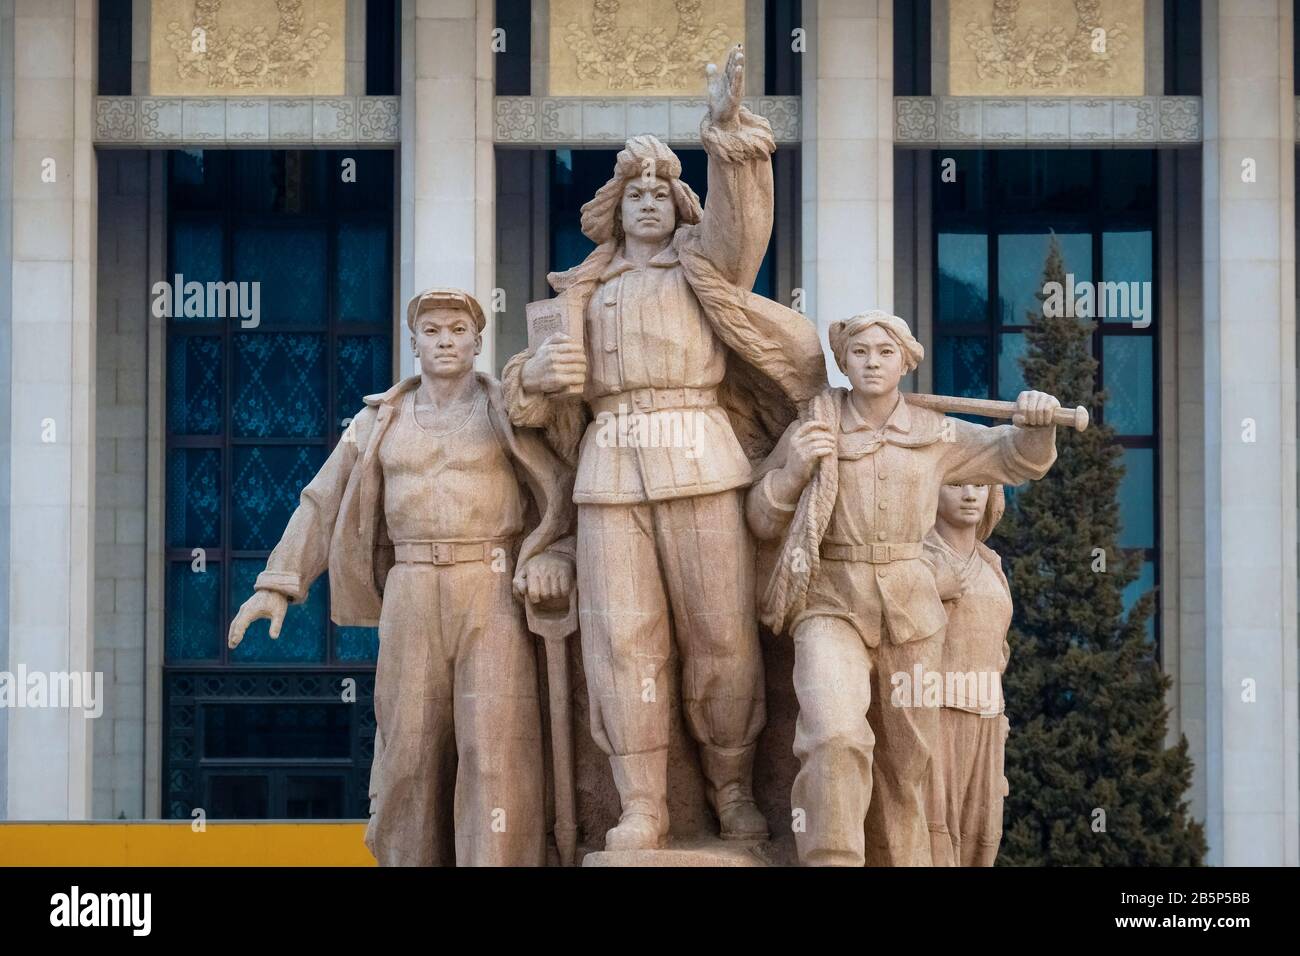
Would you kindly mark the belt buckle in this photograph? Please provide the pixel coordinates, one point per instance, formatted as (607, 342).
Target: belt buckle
(880, 554)
(643, 399)
(443, 553)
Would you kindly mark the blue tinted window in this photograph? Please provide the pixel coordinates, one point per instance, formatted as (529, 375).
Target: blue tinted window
(194, 385)
(1011, 377)
(193, 497)
(1100, 205)
(365, 365)
(1127, 255)
(196, 256)
(1137, 499)
(1128, 296)
(1021, 257)
(289, 266)
(1145, 581)
(358, 643)
(267, 480)
(280, 386)
(302, 637)
(961, 366)
(1127, 367)
(364, 274)
(193, 630)
(252, 412)
(963, 278)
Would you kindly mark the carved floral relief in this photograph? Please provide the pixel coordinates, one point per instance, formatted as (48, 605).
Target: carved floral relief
(1046, 47)
(246, 47)
(639, 47)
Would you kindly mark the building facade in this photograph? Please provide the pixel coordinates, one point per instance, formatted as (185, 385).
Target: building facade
(338, 156)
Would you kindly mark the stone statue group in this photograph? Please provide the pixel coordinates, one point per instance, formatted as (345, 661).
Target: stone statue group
(665, 473)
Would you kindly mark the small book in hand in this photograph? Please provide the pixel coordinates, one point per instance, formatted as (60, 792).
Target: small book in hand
(548, 317)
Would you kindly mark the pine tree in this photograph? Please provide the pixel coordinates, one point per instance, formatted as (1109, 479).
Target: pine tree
(1085, 697)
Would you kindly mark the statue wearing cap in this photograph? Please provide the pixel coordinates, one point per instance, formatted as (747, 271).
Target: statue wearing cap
(435, 517)
(672, 334)
(850, 491)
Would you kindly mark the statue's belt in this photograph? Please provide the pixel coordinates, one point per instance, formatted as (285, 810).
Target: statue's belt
(653, 400)
(872, 553)
(449, 552)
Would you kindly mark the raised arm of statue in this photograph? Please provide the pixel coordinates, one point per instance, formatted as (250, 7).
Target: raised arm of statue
(737, 220)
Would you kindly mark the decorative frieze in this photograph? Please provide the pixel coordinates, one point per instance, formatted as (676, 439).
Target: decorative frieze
(246, 121)
(581, 120)
(1047, 120)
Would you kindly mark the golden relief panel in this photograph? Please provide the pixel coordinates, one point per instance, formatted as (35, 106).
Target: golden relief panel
(246, 47)
(1046, 47)
(639, 47)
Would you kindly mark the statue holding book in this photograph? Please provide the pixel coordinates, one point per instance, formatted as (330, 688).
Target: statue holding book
(658, 324)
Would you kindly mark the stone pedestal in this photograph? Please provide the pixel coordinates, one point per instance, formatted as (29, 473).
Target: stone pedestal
(696, 853)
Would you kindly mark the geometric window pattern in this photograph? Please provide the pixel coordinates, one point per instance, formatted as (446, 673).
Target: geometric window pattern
(993, 224)
(252, 413)
(259, 744)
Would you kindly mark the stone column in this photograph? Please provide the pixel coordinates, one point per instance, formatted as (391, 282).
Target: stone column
(47, 84)
(848, 160)
(448, 184)
(1182, 449)
(1250, 433)
(121, 480)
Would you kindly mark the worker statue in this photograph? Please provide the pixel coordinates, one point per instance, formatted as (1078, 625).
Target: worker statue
(438, 520)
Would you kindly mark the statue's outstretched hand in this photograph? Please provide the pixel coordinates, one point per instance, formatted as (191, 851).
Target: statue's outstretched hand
(1035, 409)
(726, 89)
(263, 604)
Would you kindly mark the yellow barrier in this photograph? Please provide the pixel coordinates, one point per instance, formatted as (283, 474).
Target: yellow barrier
(164, 843)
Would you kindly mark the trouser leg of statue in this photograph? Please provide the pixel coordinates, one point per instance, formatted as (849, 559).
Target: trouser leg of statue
(642, 558)
(863, 760)
(623, 615)
(907, 734)
(455, 654)
(705, 547)
(942, 851)
(974, 785)
(833, 741)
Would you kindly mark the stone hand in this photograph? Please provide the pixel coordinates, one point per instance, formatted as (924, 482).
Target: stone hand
(547, 579)
(558, 363)
(811, 442)
(725, 90)
(1034, 408)
(263, 604)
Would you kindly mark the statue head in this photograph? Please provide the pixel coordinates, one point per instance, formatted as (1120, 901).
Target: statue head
(646, 197)
(977, 506)
(446, 331)
(875, 350)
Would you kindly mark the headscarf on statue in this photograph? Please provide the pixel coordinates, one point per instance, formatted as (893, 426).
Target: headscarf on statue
(774, 359)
